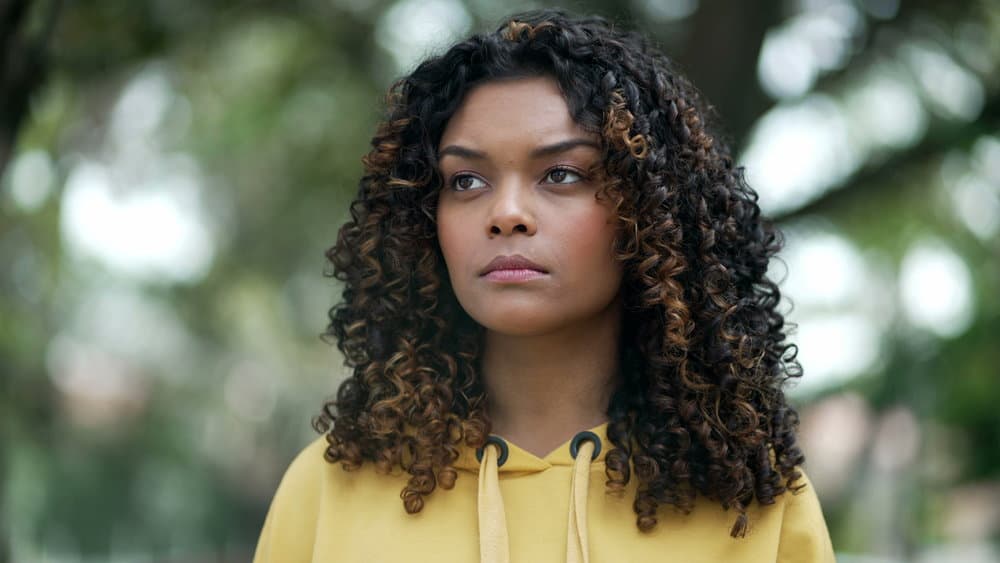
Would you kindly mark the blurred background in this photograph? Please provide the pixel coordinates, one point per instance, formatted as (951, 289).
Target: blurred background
(171, 172)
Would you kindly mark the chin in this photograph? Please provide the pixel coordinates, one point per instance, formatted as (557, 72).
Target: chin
(521, 322)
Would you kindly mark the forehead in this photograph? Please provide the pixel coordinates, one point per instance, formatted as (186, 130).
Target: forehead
(513, 110)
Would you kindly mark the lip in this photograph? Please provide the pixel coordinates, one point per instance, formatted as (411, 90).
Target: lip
(514, 262)
(513, 276)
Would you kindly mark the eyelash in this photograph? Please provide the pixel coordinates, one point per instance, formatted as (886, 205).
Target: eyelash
(454, 179)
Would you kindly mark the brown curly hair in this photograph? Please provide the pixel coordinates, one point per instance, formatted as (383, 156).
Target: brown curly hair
(700, 408)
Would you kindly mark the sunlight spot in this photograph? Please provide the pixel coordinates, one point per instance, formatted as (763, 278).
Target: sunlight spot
(797, 151)
(785, 67)
(825, 270)
(155, 232)
(886, 109)
(986, 159)
(835, 348)
(31, 177)
(977, 204)
(412, 29)
(952, 89)
(794, 54)
(141, 107)
(936, 289)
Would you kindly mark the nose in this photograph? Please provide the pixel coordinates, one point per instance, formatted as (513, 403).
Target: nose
(512, 210)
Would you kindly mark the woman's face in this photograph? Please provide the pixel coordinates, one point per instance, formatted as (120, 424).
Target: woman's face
(514, 164)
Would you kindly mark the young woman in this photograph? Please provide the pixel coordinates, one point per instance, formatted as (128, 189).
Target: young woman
(555, 307)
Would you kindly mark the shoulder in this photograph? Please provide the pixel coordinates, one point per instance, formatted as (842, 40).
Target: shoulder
(801, 497)
(303, 476)
(307, 468)
(289, 527)
(804, 533)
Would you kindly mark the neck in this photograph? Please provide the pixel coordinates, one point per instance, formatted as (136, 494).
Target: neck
(543, 389)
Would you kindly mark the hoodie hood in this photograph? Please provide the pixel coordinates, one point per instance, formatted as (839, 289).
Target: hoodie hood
(500, 456)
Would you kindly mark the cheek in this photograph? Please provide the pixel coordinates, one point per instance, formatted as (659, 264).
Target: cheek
(588, 238)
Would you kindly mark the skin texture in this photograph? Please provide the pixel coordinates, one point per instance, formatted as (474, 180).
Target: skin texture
(550, 344)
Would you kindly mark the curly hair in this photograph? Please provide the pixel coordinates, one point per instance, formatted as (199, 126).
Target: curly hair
(700, 407)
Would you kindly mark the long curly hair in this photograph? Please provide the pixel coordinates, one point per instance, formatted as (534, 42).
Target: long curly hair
(700, 407)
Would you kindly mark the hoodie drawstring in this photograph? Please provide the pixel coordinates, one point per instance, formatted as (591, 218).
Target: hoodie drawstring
(494, 546)
(584, 448)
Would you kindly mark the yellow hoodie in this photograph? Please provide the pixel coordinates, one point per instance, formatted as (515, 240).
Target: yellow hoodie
(519, 508)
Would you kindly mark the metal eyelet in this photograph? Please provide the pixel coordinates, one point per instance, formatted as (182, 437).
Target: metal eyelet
(500, 443)
(574, 446)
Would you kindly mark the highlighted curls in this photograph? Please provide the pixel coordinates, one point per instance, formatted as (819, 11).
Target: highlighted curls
(700, 409)
(520, 31)
(618, 125)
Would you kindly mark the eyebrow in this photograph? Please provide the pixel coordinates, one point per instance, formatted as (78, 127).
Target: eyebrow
(539, 152)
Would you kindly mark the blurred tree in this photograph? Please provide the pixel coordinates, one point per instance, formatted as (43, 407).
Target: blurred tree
(179, 168)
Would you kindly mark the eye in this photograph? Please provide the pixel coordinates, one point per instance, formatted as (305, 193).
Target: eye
(563, 176)
(463, 182)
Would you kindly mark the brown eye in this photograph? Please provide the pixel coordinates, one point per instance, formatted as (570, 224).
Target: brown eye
(560, 175)
(464, 182)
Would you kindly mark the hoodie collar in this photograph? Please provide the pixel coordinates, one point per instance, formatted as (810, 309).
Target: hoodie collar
(520, 460)
(499, 455)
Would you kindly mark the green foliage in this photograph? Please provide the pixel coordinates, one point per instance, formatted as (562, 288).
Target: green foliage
(149, 407)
